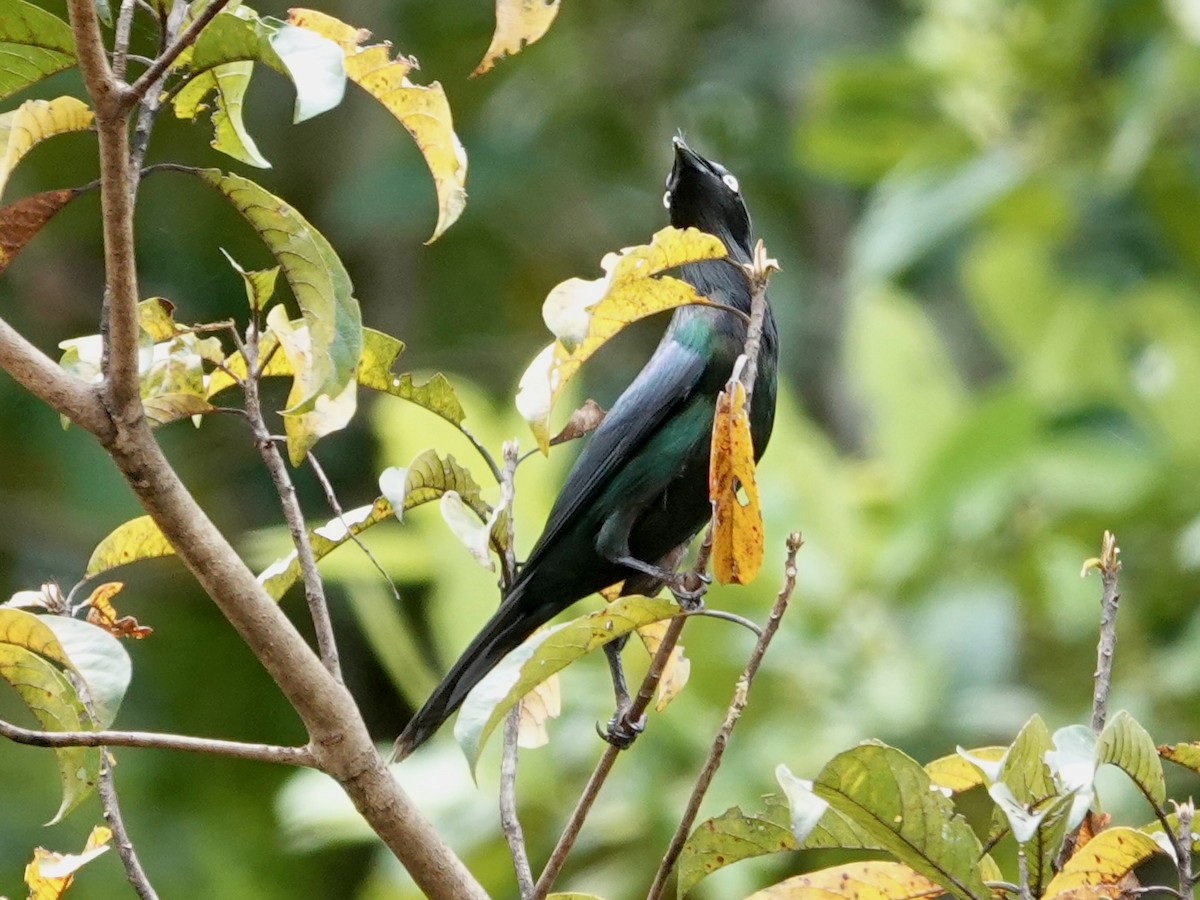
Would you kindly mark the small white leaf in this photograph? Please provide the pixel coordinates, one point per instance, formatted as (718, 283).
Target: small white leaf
(806, 807)
(1072, 765)
(316, 65)
(467, 528)
(393, 484)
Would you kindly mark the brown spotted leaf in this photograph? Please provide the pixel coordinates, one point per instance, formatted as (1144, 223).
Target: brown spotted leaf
(877, 880)
(737, 527)
(1097, 869)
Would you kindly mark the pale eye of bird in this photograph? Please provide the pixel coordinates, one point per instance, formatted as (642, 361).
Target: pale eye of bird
(730, 182)
(667, 200)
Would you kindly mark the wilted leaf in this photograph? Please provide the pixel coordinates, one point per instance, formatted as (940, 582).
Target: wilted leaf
(737, 547)
(53, 701)
(955, 774)
(421, 109)
(227, 83)
(1127, 745)
(283, 573)
(543, 654)
(50, 874)
(318, 280)
(329, 412)
(1098, 867)
(427, 478)
(890, 797)
(101, 662)
(34, 121)
(136, 539)
(677, 669)
(732, 837)
(33, 43)
(583, 315)
(585, 419)
(542, 703)
(877, 880)
(103, 614)
(24, 218)
(518, 24)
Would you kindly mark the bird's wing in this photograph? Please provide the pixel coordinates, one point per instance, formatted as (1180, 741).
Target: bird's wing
(664, 384)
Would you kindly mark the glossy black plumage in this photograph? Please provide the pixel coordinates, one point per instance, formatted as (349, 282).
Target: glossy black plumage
(639, 488)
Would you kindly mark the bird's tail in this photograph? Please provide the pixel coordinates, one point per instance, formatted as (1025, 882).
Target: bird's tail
(503, 633)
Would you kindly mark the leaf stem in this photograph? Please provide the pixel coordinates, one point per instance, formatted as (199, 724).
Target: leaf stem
(732, 714)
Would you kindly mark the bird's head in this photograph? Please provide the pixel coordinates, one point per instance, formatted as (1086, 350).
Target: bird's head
(703, 194)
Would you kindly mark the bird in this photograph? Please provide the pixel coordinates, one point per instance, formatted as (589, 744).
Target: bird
(639, 489)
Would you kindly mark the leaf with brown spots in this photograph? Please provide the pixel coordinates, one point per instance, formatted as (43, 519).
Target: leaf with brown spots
(103, 614)
(737, 527)
(519, 23)
(1098, 869)
(876, 880)
(21, 220)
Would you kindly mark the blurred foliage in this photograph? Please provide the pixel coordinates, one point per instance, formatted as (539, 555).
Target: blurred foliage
(986, 214)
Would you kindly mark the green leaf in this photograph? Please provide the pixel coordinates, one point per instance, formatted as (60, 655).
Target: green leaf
(317, 278)
(1127, 745)
(227, 83)
(283, 573)
(427, 478)
(260, 287)
(136, 539)
(911, 212)
(34, 44)
(53, 701)
(1103, 861)
(1024, 768)
(547, 652)
(732, 837)
(101, 661)
(890, 797)
(1186, 755)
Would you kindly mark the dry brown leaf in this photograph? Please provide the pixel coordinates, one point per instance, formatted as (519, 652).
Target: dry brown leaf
(21, 220)
(737, 552)
(585, 419)
(518, 24)
(103, 614)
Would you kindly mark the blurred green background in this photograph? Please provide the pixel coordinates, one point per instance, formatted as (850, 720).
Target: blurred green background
(988, 218)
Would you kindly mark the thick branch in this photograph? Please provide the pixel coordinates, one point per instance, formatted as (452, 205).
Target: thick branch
(292, 756)
(46, 380)
(736, 705)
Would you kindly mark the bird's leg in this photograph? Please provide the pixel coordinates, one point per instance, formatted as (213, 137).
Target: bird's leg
(688, 588)
(622, 731)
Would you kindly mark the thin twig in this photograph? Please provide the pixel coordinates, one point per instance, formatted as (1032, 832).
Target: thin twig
(1181, 838)
(336, 506)
(732, 714)
(509, 821)
(121, 38)
(107, 791)
(314, 589)
(483, 451)
(1109, 565)
(149, 104)
(186, 38)
(291, 756)
(758, 272)
(584, 805)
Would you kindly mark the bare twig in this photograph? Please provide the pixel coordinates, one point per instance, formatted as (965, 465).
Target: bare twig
(509, 821)
(134, 873)
(1181, 839)
(314, 588)
(336, 506)
(758, 272)
(291, 756)
(1109, 565)
(121, 38)
(600, 774)
(186, 38)
(732, 714)
(149, 104)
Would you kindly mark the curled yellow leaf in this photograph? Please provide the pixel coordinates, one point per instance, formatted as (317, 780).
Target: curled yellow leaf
(737, 528)
(519, 23)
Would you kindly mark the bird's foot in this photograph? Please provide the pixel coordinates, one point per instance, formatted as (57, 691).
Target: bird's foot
(688, 589)
(622, 731)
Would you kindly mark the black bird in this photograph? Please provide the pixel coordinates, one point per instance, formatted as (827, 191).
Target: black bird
(639, 489)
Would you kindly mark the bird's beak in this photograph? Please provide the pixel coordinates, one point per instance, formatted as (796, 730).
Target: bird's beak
(685, 158)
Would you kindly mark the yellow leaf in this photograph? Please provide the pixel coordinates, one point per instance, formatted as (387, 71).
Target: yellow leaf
(737, 552)
(856, 881)
(1097, 868)
(542, 703)
(675, 672)
(421, 109)
(136, 539)
(34, 121)
(50, 874)
(518, 24)
(955, 774)
(584, 314)
(329, 414)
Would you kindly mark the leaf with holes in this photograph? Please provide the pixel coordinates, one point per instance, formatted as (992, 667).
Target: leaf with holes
(227, 84)
(737, 547)
(519, 23)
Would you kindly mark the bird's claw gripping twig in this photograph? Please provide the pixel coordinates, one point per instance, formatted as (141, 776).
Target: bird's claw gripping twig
(622, 731)
(688, 589)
